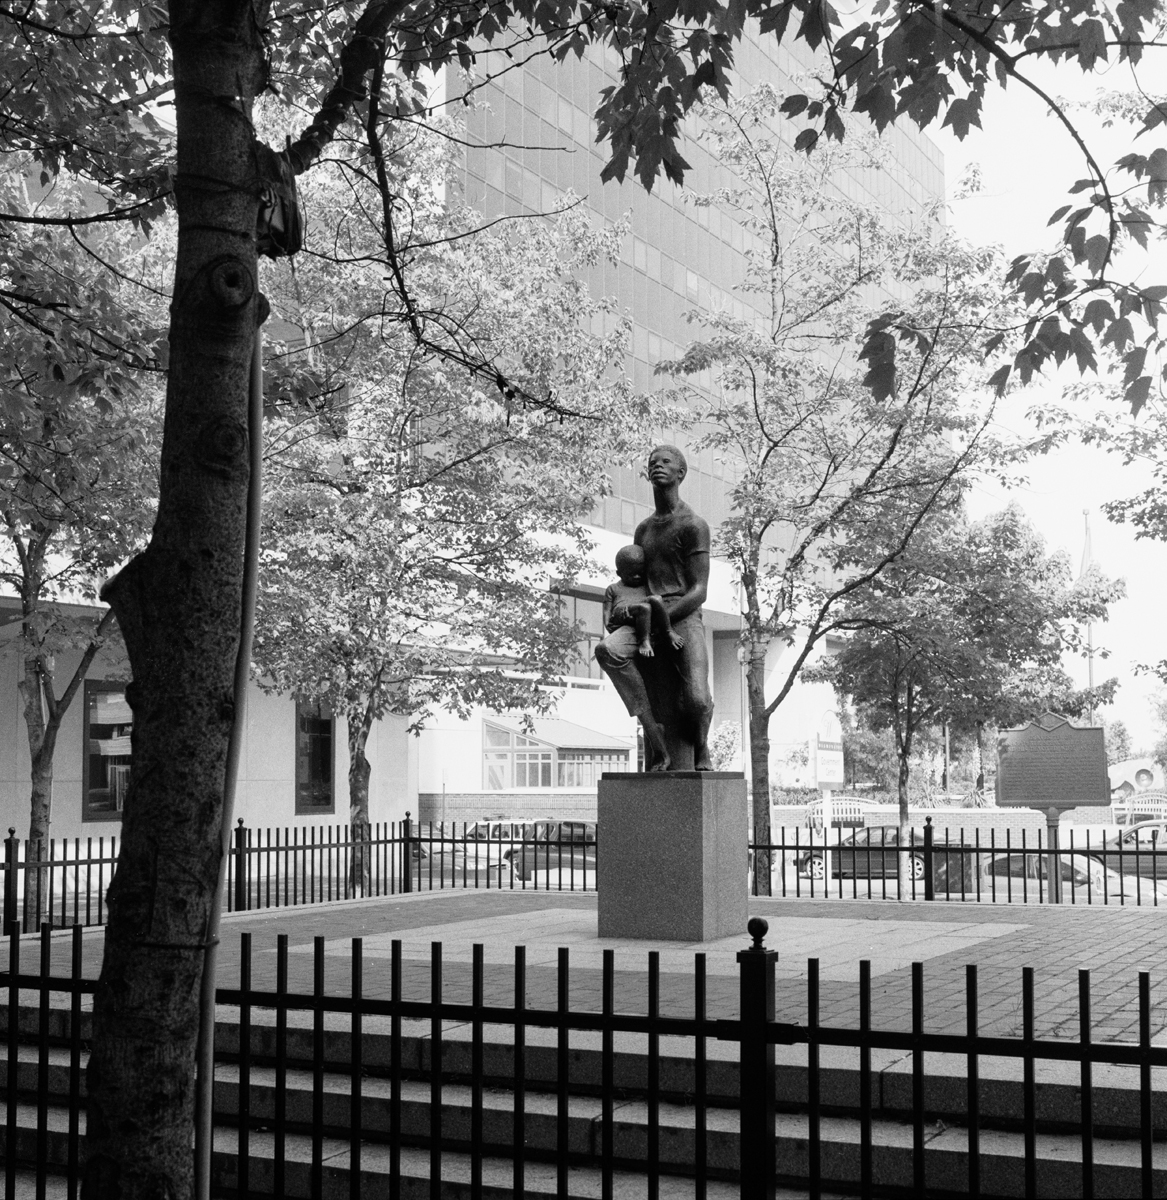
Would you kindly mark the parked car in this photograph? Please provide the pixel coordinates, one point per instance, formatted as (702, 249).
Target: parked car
(865, 854)
(1085, 880)
(489, 845)
(555, 865)
(1139, 850)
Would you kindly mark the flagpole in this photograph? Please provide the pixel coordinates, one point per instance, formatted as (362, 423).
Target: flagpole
(1086, 558)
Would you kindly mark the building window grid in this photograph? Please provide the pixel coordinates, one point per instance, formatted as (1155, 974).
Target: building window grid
(512, 761)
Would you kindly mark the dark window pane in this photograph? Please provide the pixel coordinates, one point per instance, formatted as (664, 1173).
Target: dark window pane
(106, 764)
(314, 726)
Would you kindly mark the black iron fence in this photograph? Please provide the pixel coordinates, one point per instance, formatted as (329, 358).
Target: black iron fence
(1006, 866)
(494, 1080)
(63, 881)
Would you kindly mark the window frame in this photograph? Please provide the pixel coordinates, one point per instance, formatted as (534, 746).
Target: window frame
(524, 753)
(95, 687)
(300, 807)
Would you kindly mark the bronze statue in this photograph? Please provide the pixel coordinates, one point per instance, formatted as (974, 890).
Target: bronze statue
(668, 690)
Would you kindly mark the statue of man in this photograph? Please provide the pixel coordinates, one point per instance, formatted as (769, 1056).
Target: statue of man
(675, 541)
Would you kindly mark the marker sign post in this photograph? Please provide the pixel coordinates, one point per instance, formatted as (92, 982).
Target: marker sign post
(827, 756)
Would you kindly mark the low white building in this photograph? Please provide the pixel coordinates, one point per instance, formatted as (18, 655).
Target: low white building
(294, 762)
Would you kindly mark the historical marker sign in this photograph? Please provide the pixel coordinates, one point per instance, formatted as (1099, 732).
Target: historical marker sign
(1051, 763)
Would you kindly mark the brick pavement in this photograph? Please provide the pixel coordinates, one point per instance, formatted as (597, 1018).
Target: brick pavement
(1114, 943)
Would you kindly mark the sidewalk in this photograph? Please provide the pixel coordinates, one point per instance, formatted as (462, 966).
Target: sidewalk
(1114, 944)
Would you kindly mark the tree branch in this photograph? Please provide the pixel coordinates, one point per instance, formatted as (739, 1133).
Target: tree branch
(360, 55)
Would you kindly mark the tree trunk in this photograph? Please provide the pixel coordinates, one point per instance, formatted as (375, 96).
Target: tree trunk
(42, 740)
(759, 765)
(982, 751)
(905, 856)
(38, 883)
(179, 606)
(359, 773)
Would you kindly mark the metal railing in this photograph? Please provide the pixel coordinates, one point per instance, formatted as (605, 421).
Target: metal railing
(64, 881)
(511, 1084)
(967, 866)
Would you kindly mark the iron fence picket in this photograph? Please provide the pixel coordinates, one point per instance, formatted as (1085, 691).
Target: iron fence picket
(356, 1070)
(42, 1072)
(1146, 1131)
(280, 1100)
(317, 1170)
(700, 1078)
(973, 1103)
(562, 1082)
(607, 1074)
(1087, 1108)
(436, 1071)
(865, 1149)
(478, 1001)
(1029, 1086)
(243, 1106)
(918, 1078)
(814, 1139)
(10, 1078)
(74, 1135)
(520, 1072)
(653, 1078)
(395, 1075)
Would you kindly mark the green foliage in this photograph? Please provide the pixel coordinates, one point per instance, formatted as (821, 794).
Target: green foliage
(725, 745)
(409, 563)
(1118, 741)
(968, 627)
(87, 76)
(835, 463)
(80, 411)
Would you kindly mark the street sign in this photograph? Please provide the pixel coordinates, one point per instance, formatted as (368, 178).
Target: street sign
(828, 764)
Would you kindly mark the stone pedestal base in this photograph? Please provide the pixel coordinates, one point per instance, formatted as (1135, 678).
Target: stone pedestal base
(672, 855)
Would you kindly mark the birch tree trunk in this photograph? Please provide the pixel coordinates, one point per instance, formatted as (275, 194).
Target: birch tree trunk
(359, 773)
(179, 607)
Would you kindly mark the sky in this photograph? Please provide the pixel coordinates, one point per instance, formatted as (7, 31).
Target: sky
(1027, 163)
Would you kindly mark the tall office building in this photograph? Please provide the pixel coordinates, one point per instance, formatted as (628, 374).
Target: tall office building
(678, 257)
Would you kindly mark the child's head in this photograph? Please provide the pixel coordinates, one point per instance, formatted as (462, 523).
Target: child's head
(630, 565)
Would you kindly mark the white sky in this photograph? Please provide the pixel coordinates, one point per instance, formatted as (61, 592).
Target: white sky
(1027, 163)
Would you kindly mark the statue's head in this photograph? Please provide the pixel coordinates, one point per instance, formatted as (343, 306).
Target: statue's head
(666, 464)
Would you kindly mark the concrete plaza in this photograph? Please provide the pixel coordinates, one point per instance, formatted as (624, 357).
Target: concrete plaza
(1113, 943)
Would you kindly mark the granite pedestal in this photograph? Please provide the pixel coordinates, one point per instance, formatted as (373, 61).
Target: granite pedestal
(672, 858)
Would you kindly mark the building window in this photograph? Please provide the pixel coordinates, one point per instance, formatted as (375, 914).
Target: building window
(511, 760)
(583, 768)
(105, 772)
(314, 727)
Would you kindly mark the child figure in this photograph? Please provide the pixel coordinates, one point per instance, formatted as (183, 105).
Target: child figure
(630, 610)
(631, 616)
